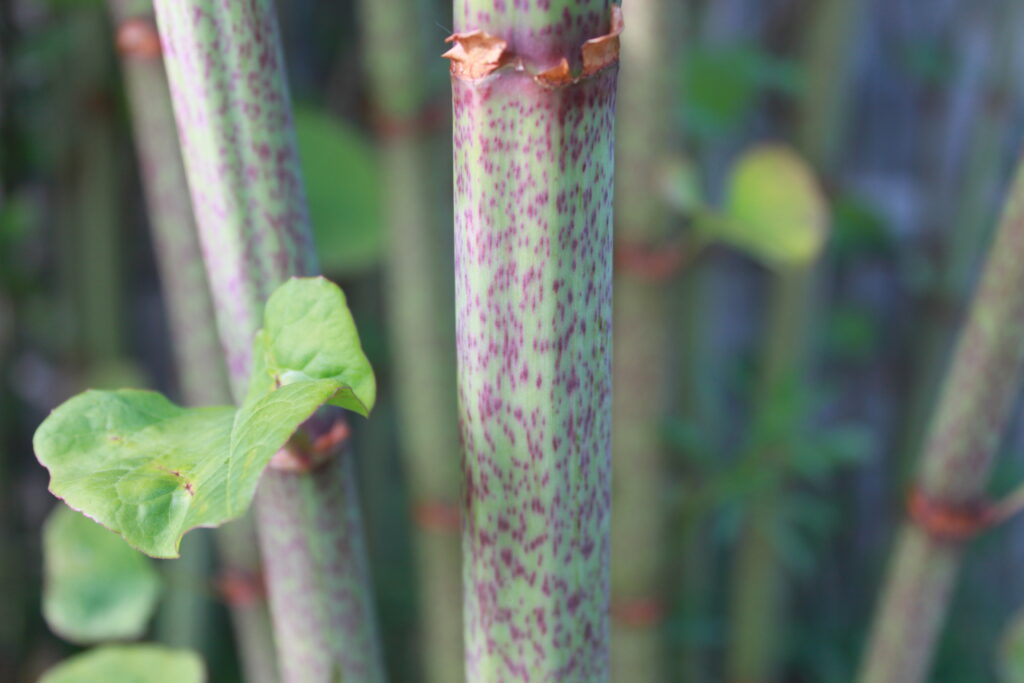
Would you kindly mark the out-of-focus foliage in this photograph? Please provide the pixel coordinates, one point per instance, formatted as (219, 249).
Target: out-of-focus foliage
(129, 664)
(774, 209)
(343, 186)
(97, 587)
(722, 84)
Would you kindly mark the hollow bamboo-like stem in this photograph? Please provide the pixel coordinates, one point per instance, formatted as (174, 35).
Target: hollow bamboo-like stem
(533, 280)
(420, 315)
(199, 361)
(977, 395)
(231, 102)
(642, 353)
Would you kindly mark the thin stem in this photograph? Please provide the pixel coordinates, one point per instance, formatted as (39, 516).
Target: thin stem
(421, 317)
(642, 352)
(533, 282)
(91, 256)
(828, 54)
(978, 393)
(758, 581)
(199, 360)
(231, 102)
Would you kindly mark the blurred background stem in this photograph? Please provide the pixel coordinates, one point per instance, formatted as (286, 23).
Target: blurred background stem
(646, 139)
(980, 386)
(419, 301)
(757, 588)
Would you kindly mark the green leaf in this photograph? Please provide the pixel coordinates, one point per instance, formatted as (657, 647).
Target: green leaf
(343, 184)
(151, 470)
(774, 209)
(129, 664)
(309, 334)
(96, 587)
(723, 83)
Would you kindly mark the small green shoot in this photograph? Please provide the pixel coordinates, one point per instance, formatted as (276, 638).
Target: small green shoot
(151, 470)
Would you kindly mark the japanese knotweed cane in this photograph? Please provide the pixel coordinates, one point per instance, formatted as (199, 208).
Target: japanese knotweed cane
(198, 357)
(231, 102)
(420, 312)
(534, 99)
(976, 399)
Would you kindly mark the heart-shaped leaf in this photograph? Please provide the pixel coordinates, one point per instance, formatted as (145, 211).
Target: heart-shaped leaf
(151, 470)
(774, 208)
(129, 664)
(96, 588)
(307, 334)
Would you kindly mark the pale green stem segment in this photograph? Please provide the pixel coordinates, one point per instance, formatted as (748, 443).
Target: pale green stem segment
(639, 534)
(233, 109)
(757, 628)
(965, 432)
(199, 359)
(828, 54)
(421, 316)
(533, 256)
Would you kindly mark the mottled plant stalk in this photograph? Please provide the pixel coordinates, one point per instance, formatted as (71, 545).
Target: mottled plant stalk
(233, 110)
(965, 432)
(422, 339)
(967, 210)
(757, 624)
(534, 99)
(199, 360)
(642, 353)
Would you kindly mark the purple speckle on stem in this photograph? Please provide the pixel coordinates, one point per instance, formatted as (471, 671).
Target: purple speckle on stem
(533, 254)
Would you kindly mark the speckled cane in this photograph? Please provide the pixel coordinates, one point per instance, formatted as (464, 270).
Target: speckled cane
(231, 102)
(199, 362)
(533, 257)
(978, 394)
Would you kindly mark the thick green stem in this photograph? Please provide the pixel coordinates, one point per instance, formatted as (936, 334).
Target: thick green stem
(758, 581)
(533, 280)
(421, 314)
(199, 360)
(639, 529)
(978, 393)
(233, 110)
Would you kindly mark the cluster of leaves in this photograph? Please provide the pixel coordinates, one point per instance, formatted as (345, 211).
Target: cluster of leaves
(98, 589)
(151, 470)
(807, 457)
